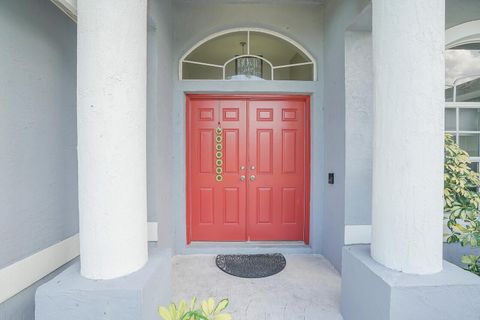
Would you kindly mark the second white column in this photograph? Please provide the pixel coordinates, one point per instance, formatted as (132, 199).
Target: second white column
(409, 73)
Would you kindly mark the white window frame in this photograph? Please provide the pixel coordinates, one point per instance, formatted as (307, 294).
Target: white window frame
(462, 105)
(465, 33)
(457, 132)
(184, 59)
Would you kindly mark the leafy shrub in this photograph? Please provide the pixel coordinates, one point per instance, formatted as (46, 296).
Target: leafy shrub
(207, 310)
(462, 201)
(473, 263)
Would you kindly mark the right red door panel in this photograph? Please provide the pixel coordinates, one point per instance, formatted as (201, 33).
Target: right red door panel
(276, 158)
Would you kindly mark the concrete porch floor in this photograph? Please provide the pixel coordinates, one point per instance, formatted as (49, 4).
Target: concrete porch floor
(307, 289)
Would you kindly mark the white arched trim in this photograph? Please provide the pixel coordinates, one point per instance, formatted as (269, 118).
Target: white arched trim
(465, 33)
(246, 56)
(248, 30)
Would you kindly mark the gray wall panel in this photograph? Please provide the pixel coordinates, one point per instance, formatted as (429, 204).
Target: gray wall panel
(38, 177)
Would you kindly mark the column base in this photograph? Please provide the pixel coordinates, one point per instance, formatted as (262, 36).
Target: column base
(371, 291)
(136, 296)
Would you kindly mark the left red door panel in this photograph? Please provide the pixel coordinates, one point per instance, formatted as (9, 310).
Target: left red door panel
(216, 209)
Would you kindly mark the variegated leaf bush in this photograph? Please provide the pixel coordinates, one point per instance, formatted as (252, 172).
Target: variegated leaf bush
(206, 310)
(462, 201)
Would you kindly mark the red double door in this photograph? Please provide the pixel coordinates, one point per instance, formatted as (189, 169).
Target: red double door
(259, 188)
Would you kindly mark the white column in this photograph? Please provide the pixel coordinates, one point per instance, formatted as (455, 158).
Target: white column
(409, 73)
(111, 116)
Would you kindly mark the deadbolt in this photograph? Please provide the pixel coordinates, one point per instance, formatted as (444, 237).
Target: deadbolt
(242, 178)
(252, 177)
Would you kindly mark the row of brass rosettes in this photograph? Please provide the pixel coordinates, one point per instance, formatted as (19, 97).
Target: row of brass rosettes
(219, 154)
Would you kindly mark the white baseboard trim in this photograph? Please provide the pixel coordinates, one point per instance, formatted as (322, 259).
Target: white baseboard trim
(358, 234)
(22, 274)
(152, 231)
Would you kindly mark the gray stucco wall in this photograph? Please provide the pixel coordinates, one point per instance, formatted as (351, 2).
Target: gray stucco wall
(38, 189)
(194, 21)
(338, 17)
(38, 176)
(159, 125)
(358, 127)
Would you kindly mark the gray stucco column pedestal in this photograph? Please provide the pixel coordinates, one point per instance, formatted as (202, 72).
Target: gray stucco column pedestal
(371, 291)
(136, 296)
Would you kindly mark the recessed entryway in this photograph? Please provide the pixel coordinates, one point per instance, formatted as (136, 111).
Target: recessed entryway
(248, 167)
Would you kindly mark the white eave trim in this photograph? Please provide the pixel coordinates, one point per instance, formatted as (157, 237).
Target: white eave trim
(69, 7)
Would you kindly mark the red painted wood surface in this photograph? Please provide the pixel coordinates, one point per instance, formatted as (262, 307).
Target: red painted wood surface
(217, 209)
(276, 153)
(269, 136)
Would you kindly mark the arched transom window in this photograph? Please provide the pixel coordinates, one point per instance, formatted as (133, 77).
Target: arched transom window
(247, 54)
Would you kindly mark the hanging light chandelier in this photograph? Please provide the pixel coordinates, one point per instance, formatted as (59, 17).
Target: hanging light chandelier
(248, 66)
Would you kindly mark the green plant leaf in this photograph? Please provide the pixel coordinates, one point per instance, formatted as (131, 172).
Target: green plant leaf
(172, 308)
(164, 313)
(208, 310)
(222, 316)
(221, 305)
(193, 303)
(204, 305)
(182, 309)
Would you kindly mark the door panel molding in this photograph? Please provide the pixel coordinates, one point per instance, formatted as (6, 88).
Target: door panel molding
(283, 124)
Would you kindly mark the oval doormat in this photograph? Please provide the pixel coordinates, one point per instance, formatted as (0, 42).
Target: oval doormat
(251, 265)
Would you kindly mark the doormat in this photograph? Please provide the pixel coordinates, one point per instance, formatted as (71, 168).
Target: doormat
(251, 265)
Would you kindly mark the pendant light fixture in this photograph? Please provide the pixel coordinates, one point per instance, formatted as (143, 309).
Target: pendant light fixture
(248, 66)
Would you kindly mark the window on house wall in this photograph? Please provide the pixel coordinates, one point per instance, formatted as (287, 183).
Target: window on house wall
(462, 94)
(247, 54)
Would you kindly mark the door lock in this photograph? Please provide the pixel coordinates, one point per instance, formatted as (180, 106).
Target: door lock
(252, 177)
(242, 178)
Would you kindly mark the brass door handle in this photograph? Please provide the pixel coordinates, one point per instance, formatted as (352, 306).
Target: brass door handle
(252, 177)
(242, 178)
